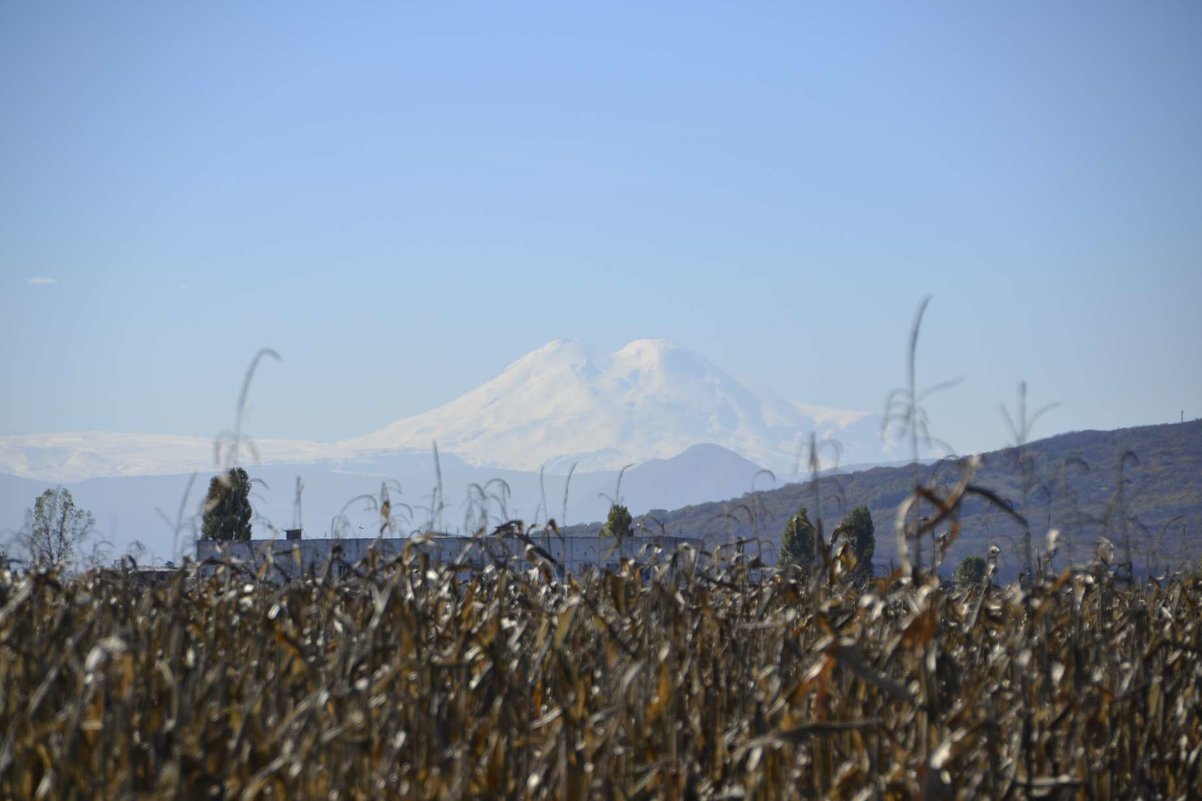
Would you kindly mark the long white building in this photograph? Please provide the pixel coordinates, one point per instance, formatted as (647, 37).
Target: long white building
(295, 556)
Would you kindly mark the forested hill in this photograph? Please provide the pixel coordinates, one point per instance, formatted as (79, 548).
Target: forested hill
(1139, 485)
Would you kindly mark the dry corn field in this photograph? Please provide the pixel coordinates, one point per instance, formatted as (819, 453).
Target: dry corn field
(413, 681)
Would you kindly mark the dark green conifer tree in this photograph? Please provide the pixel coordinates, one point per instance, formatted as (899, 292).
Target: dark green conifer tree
(619, 524)
(799, 543)
(971, 571)
(857, 528)
(227, 509)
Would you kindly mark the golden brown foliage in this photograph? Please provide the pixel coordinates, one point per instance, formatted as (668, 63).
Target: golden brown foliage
(410, 680)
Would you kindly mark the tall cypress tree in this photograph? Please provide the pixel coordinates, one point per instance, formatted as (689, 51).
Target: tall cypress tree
(798, 544)
(971, 572)
(619, 524)
(227, 509)
(857, 527)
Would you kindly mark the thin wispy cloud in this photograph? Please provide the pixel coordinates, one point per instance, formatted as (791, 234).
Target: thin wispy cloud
(42, 281)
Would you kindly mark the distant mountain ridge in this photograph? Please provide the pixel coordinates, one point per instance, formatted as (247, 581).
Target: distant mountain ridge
(563, 404)
(83, 455)
(1078, 475)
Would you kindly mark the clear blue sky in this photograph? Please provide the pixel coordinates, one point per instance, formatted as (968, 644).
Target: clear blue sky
(403, 198)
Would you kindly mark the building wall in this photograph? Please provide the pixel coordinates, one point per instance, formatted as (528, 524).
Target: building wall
(574, 554)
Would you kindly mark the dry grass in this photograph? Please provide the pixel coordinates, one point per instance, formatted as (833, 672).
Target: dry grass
(412, 681)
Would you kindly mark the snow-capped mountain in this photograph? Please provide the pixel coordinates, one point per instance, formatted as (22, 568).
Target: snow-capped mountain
(566, 403)
(694, 432)
(560, 405)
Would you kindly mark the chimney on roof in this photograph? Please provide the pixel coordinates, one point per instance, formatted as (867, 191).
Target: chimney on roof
(292, 533)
